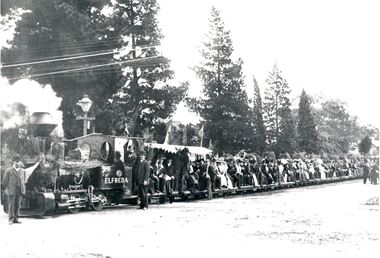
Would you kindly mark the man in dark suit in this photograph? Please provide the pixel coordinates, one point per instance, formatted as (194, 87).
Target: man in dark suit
(142, 180)
(14, 187)
(366, 170)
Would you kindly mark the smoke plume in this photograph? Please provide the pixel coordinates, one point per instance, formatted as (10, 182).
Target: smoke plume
(27, 96)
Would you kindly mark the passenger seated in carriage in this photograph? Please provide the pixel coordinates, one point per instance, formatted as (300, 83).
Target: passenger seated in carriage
(326, 168)
(222, 175)
(166, 177)
(268, 171)
(214, 178)
(254, 170)
(247, 178)
(353, 168)
(203, 174)
(320, 168)
(264, 177)
(191, 179)
(299, 167)
(310, 169)
(154, 182)
(294, 170)
(234, 172)
(273, 170)
(317, 172)
(304, 170)
(283, 171)
(291, 177)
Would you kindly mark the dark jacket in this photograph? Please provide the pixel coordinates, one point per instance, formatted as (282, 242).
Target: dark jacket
(143, 172)
(13, 181)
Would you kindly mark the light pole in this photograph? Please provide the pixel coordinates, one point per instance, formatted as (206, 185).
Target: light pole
(85, 105)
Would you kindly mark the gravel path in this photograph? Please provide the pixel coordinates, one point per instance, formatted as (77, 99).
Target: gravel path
(339, 220)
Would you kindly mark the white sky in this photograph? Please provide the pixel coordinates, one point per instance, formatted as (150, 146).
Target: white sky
(326, 46)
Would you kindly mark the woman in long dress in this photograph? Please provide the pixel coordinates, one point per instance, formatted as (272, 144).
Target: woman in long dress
(225, 181)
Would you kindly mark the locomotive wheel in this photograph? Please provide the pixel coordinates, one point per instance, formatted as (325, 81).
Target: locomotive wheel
(96, 206)
(99, 204)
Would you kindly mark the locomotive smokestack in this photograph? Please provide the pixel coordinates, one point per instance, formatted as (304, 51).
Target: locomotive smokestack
(42, 124)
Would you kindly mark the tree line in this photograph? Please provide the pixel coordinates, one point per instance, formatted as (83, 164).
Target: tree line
(139, 97)
(234, 121)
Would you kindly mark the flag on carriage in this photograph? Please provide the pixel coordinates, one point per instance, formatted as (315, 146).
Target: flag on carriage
(201, 134)
(168, 132)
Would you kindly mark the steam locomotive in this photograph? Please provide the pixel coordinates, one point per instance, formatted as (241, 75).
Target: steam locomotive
(73, 174)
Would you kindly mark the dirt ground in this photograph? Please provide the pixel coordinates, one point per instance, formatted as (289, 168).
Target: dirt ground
(338, 220)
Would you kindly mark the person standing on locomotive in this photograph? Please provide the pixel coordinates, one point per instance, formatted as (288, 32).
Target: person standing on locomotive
(118, 164)
(142, 180)
(118, 168)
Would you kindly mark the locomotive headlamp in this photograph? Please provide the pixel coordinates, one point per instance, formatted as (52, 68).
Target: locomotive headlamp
(119, 173)
(85, 104)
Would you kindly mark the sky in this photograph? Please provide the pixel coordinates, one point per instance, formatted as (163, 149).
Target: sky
(327, 47)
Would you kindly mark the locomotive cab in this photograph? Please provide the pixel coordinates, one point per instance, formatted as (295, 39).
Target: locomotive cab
(107, 180)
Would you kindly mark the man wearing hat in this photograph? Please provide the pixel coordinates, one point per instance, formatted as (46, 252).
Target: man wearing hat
(366, 170)
(142, 180)
(14, 187)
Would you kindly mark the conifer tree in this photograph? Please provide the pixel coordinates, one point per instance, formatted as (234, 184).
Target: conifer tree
(145, 97)
(307, 133)
(365, 145)
(287, 139)
(258, 122)
(279, 122)
(225, 103)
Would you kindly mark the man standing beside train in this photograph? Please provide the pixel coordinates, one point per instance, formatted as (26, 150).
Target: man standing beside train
(142, 180)
(14, 187)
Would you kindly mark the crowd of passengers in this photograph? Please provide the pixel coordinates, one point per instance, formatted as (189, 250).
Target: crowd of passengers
(179, 173)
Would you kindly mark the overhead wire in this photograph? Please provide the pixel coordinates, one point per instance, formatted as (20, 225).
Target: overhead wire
(75, 45)
(93, 71)
(81, 46)
(89, 67)
(84, 55)
(59, 59)
(67, 47)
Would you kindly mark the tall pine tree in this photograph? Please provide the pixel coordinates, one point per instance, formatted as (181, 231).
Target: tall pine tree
(307, 133)
(287, 139)
(279, 121)
(225, 102)
(145, 97)
(258, 121)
